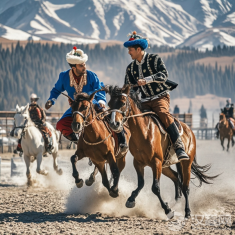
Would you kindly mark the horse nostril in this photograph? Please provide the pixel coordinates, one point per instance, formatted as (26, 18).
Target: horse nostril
(118, 124)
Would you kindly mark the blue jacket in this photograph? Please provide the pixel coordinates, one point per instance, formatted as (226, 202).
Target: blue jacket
(63, 84)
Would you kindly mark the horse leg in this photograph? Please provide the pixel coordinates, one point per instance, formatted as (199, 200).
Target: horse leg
(115, 173)
(105, 181)
(173, 175)
(121, 162)
(228, 144)
(75, 174)
(55, 164)
(27, 162)
(222, 141)
(157, 169)
(140, 174)
(232, 141)
(186, 170)
(91, 179)
(39, 161)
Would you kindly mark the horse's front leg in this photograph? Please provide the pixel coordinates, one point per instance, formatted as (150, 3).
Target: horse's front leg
(116, 175)
(91, 179)
(228, 144)
(75, 174)
(28, 174)
(39, 161)
(140, 174)
(222, 142)
(157, 169)
(58, 170)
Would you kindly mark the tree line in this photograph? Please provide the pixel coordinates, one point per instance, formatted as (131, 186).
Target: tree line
(35, 68)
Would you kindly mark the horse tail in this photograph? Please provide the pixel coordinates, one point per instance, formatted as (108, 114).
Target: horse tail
(199, 172)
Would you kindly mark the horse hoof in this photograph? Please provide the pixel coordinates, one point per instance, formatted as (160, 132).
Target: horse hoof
(113, 194)
(42, 172)
(170, 215)
(80, 183)
(130, 204)
(89, 182)
(30, 183)
(59, 172)
(187, 216)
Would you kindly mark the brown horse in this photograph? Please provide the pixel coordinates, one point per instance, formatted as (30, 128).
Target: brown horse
(148, 146)
(95, 142)
(225, 131)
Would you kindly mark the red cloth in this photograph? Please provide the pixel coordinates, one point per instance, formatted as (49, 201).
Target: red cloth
(64, 126)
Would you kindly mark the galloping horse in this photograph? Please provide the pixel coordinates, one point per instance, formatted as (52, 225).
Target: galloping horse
(33, 142)
(225, 131)
(95, 142)
(148, 146)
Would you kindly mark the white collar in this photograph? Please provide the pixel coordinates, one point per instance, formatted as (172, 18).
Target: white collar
(142, 61)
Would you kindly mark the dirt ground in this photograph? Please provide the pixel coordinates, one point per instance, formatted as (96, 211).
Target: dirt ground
(53, 205)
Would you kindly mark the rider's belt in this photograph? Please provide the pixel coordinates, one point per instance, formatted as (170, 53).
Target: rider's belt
(155, 96)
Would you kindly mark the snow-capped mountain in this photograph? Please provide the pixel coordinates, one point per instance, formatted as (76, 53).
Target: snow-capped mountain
(198, 23)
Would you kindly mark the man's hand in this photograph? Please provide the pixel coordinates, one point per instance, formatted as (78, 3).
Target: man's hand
(141, 82)
(48, 104)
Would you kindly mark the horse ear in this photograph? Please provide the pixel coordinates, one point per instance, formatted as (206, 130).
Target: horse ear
(126, 89)
(17, 108)
(25, 109)
(93, 94)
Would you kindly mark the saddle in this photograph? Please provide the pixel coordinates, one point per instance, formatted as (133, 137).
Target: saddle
(170, 157)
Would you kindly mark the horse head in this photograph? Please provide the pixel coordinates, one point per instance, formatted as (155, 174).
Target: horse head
(82, 109)
(222, 117)
(20, 119)
(119, 105)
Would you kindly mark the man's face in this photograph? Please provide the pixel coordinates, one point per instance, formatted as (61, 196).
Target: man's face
(80, 68)
(33, 101)
(134, 53)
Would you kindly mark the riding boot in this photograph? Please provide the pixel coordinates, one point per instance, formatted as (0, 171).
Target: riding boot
(48, 144)
(72, 137)
(18, 148)
(178, 145)
(122, 142)
(231, 123)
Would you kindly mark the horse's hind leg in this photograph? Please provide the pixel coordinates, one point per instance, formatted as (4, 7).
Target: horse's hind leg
(140, 174)
(173, 175)
(232, 141)
(157, 169)
(39, 161)
(27, 162)
(75, 174)
(55, 164)
(91, 179)
(105, 181)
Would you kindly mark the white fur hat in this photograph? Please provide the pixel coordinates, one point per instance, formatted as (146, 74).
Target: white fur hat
(76, 56)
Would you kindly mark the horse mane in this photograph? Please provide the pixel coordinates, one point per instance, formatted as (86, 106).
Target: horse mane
(81, 96)
(116, 91)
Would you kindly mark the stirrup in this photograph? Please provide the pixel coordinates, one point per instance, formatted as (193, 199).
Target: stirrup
(181, 155)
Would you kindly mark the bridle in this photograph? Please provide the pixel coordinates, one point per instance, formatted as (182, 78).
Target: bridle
(128, 109)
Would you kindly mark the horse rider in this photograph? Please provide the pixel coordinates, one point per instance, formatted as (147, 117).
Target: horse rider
(150, 73)
(75, 80)
(228, 112)
(38, 116)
